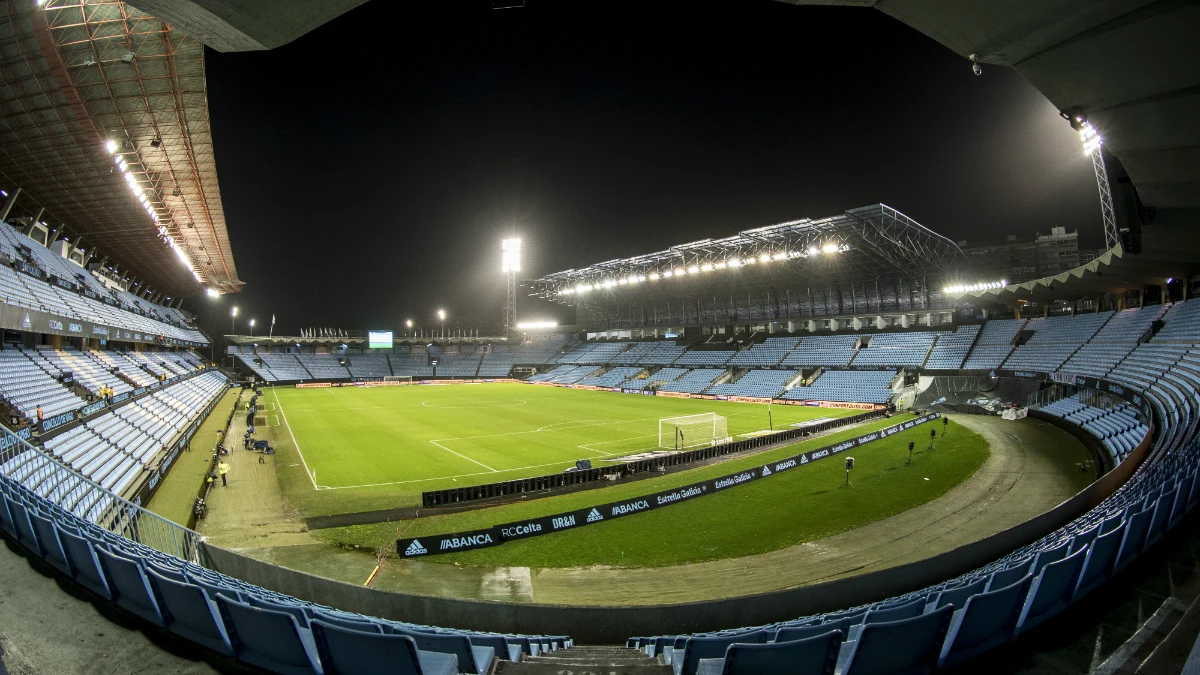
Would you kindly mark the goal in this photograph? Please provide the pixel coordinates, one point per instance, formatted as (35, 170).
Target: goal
(398, 378)
(690, 431)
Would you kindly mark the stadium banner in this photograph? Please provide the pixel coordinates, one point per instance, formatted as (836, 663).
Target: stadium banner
(845, 405)
(748, 399)
(673, 394)
(448, 543)
(536, 527)
(308, 385)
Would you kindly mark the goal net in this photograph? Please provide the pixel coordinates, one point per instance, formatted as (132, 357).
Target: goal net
(690, 431)
(397, 378)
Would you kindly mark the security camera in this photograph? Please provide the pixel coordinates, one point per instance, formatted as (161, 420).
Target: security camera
(975, 68)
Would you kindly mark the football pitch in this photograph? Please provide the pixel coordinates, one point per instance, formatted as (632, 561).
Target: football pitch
(426, 437)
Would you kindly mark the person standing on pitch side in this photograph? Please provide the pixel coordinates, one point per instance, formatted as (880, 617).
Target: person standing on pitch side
(223, 468)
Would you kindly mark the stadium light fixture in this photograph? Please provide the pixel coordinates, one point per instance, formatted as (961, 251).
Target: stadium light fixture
(706, 267)
(734, 262)
(1090, 137)
(654, 276)
(694, 269)
(668, 274)
(111, 146)
(764, 258)
(537, 324)
(829, 248)
(212, 293)
(971, 288)
(679, 272)
(510, 258)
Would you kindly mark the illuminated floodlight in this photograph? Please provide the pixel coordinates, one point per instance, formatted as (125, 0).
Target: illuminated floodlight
(537, 324)
(633, 279)
(679, 272)
(122, 166)
(971, 288)
(233, 312)
(442, 314)
(719, 266)
(694, 269)
(212, 292)
(408, 323)
(668, 274)
(829, 248)
(750, 261)
(609, 283)
(653, 276)
(734, 262)
(111, 146)
(706, 267)
(766, 257)
(779, 256)
(1090, 137)
(813, 250)
(510, 259)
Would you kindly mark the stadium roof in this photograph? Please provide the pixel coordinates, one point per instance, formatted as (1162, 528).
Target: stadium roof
(1128, 68)
(861, 245)
(76, 75)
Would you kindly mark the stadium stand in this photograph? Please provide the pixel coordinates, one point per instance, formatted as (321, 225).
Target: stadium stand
(130, 313)
(758, 383)
(549, 375)
(323, 366)
(113, 449)
(822, 350)
(950, 349)
(694, 382)
(896, 349)
(612, 378)
(1182, 323)
(849, 386)
(704, 357)
(592, 353)
(88, 372)
(994, 344)
(1118, 427)
(126, 367)
(659, 378)
(766, 354)
(285, 367)
(1069, 329)
(1129, 325)
(1097, 360)
(368, 364)
(414, 364)
(654, 353)
(500, 361)
(25, 385)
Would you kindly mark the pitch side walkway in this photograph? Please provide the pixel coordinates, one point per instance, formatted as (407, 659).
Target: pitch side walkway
(1032, 467)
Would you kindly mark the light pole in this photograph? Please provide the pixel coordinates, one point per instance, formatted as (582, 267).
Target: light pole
(408, 325)
(442, 319)
(251, 327)
(232, 315)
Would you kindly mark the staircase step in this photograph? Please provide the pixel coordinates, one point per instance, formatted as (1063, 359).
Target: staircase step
(587, 661)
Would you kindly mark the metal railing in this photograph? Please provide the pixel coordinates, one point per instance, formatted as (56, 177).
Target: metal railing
(73, 492)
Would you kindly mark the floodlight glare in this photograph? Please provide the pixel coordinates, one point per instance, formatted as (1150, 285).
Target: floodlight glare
(829, 248)
(510, 259)
(706, 267)
(694, 269)
(764, 258)
(212, 292)
(442, 314)
(734, 262)
(233, 312)
(408, 323)
(111, 146)
(653, 276)
(537, 324)
(668, 274)
(679, 272)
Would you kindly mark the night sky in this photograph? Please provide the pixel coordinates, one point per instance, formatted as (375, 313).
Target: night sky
(369, 169)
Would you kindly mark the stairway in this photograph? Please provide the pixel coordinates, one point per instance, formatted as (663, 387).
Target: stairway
(589, 660)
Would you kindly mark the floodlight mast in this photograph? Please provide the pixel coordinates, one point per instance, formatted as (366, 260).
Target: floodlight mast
(1093, 148)
(510, 264)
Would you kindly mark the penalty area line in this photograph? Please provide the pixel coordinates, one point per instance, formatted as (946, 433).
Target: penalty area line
(465, 457)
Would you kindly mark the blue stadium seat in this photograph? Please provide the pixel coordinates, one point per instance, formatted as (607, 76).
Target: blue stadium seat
(1051, 591)
(909, 646)
(188, 612)
(344, 651)
(25, 534)
(84, 565)
(349, 622)
(907, 610)
(816, 655)
(793, 633)
(52, 550)
(696, 648)
(1008, 575)
(1098, 564)
(471, 659)
(957, 595)
(1131, 540)
(129, 588)
(268, 639)
(987, 620)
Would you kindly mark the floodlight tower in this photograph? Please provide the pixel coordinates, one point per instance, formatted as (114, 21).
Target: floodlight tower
(510, 264)
(1092, 143)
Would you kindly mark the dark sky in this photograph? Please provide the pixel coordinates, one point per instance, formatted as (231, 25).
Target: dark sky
(369, 169)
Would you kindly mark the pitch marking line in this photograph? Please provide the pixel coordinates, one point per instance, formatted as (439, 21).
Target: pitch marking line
(307, 471)
(464, 456)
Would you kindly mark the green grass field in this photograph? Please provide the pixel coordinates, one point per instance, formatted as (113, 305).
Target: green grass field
(358, 448)
(794, 507)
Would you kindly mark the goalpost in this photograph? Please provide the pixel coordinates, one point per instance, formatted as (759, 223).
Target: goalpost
(398, 378)
(690, 431)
